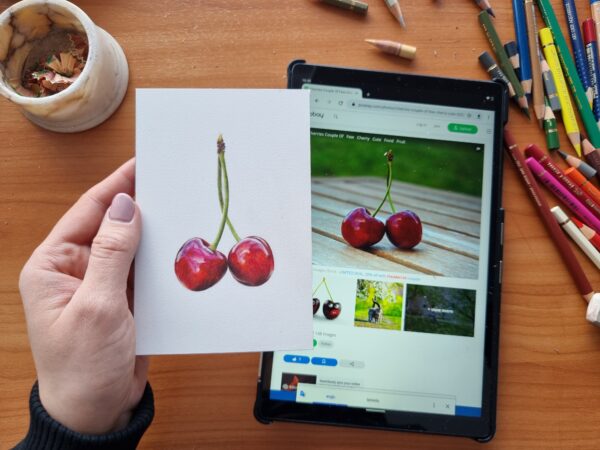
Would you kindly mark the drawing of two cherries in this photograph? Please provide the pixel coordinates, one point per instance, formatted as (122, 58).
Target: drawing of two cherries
(199, 265)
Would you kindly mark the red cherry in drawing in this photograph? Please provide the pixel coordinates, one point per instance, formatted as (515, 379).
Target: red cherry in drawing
(197, 266)
(404, 229)
(316, 304)
(332, 309)
(360, 229)
(251, 261)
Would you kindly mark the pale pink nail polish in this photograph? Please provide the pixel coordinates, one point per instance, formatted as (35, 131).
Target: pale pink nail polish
(122, 208)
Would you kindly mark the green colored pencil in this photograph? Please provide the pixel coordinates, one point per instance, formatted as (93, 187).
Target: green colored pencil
(566, 60)
(552, 139)
(503, 61)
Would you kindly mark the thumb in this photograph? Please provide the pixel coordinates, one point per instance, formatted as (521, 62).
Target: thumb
(114, 246)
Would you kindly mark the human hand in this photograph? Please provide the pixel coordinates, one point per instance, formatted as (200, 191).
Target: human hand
(75, 294)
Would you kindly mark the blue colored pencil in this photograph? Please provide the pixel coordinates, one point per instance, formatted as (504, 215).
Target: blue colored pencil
(522, 43)
(578, 51)
(591, 51)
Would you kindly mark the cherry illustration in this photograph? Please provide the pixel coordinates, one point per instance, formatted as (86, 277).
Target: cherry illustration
(332, 309)
(404, 229)
(251, 261)
(316, 304)
(198, 264)
(360, 229)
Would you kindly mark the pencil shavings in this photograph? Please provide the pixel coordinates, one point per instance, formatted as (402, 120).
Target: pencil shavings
(79, 46)
(53, 72)
(63, 66)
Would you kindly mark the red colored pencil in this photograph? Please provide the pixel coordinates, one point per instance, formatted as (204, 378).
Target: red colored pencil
(590, 234)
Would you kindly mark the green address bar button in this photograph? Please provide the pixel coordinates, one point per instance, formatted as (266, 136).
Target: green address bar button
(462, 128)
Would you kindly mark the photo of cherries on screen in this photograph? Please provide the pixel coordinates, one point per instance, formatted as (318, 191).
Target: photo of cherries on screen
(331, 309)
(361, 230)
(199, 265)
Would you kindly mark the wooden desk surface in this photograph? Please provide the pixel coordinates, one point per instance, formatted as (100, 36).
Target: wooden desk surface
(549, 391)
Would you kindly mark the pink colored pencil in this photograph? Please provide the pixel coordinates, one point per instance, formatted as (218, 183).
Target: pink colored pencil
(563, 194)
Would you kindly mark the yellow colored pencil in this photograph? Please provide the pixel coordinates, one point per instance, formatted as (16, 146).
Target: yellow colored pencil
(568, 113)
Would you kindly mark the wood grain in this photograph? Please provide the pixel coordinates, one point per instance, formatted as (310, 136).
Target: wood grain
(549, 357)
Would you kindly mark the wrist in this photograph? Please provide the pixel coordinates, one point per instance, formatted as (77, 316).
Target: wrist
(45, 432)
(82, 414)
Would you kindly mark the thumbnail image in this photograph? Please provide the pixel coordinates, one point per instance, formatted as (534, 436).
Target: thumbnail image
(289, 381)
(396, 204)
(440, 310)
(378, 305)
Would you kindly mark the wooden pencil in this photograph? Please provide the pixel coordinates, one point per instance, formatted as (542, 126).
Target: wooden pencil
(534, 55)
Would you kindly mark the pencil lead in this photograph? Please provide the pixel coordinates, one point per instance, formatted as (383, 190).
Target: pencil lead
(562, 154)
(491, 12)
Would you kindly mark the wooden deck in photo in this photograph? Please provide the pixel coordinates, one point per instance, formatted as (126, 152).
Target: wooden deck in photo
(451, 227)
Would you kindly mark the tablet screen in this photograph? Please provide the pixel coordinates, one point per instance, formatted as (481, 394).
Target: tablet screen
(396, 329)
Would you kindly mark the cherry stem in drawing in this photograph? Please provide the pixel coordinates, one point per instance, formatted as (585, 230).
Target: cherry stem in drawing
(220, 184)
(221, 156)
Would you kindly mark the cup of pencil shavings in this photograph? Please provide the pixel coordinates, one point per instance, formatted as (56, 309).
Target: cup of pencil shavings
(65, 73)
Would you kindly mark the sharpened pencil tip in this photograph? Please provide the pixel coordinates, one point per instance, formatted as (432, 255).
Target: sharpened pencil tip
(401, 21)
(491, 12)
(526, 111)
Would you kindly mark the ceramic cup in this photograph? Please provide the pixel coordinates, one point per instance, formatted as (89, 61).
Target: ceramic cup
(93, 97)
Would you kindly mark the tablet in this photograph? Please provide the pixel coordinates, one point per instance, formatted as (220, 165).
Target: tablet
(406, 324)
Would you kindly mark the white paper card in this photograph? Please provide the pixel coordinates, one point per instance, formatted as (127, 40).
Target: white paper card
(267, 154)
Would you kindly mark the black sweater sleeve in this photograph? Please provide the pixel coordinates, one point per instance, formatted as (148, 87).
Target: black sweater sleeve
(47, 434)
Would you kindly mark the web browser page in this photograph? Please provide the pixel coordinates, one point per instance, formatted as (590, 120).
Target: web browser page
(396, 328)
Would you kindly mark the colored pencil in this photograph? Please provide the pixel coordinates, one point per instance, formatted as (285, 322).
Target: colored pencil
(591, 155)
(557, 236)
(544, 159)
(578, 50)
(585, 184)
(568, 65)
(522, 43)
(512, 51)
(549, 85)
(585, 169)
(485, 5)
(590, 234)
(394, 8)
(351, 5)
(394, 48)
(494, 40)
(595, 7)
(563, 194)
(568, 114)
(550, 128)
(576, 235)
(490, 66)
(591, 51)
(539, 107)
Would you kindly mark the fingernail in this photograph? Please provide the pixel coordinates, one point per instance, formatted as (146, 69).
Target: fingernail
(122, 208)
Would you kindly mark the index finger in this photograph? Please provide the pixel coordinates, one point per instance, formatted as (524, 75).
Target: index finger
(80, 224)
